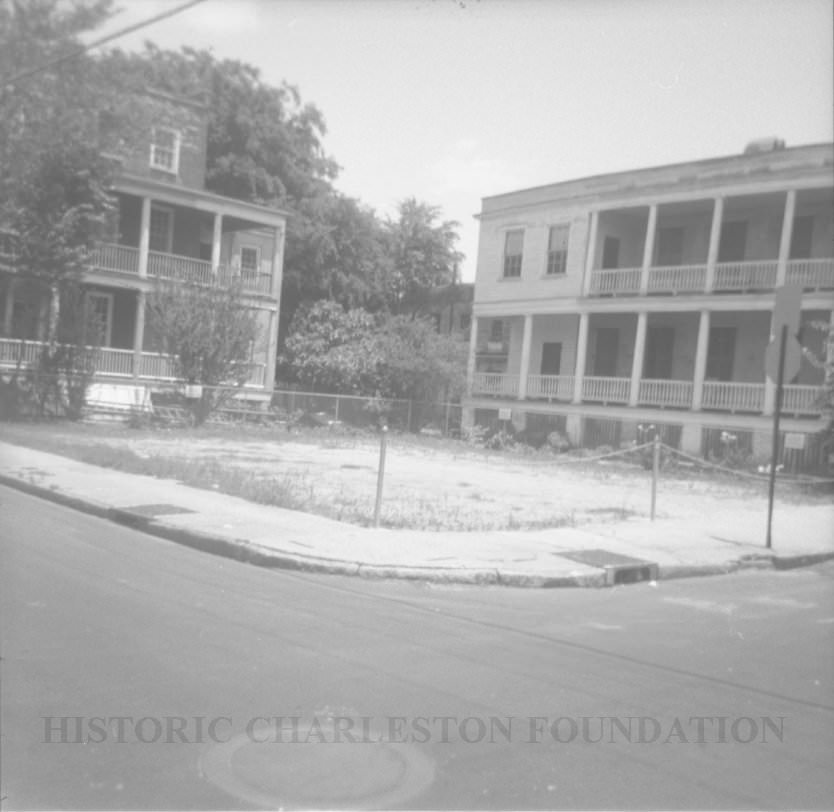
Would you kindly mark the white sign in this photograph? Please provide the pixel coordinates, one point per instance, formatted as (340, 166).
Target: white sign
(505, 414)
(794, 439)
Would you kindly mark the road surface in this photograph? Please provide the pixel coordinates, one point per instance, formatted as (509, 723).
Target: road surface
(141, 674)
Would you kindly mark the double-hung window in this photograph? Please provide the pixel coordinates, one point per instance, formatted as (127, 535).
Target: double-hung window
(557, 250)
(250, 261)
(165, 150)
(513, 252)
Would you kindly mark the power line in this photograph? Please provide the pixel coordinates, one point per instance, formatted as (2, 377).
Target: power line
(109, 38)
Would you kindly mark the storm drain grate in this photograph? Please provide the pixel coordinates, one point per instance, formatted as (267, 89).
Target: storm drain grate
(155, 510)
(619, 569)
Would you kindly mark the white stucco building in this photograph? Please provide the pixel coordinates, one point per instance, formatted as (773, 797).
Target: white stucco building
(646, 297)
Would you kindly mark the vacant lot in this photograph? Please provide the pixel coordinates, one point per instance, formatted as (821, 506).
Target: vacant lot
(430, 483)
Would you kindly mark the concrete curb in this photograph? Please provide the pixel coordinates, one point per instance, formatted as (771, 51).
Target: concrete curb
(246, 552)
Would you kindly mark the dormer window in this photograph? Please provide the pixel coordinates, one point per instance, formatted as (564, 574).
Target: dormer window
(165, 150)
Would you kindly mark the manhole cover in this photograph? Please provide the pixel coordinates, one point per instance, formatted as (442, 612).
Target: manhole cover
(156, 510)
(317, 772)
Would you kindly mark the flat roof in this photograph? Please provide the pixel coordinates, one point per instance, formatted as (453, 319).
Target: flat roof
(807, 156)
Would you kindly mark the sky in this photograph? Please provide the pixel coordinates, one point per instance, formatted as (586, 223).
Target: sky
(451, 101)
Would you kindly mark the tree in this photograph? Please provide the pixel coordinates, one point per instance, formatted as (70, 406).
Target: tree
(383, 356)
(423, 254)
(54, 153)
(210, 333)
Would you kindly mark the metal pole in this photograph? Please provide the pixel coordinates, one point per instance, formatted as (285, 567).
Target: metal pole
(655, 471)
(383, 441)
(446, 422)
(336, 411)
(774, 455)
(408, 426)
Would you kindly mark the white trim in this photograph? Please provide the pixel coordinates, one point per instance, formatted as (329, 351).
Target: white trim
(175, 164)
(108, 325)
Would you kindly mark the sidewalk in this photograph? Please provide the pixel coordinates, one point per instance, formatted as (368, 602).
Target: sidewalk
(588, 556)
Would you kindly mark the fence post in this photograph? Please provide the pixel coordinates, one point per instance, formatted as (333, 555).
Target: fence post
(336, 410)
(655, 471)
(383, 440)
(446, 422)
(408, 419)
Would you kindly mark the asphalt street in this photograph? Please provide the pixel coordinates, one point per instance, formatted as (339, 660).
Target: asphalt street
(551, 698)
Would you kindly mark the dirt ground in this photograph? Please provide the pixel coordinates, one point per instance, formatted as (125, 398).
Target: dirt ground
(432, 483)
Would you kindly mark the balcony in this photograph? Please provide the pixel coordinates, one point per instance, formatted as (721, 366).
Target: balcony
(812, 274)
(550, 387)
(745, 276)
(616, 281)
(111, 362)
(720, 396)
(677, 279)
(665, 393)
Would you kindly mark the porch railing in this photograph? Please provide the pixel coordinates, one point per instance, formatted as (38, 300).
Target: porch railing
(179, 269)
(677, 279)
(496, 384)
(615, 280)
(756, 275)
(111, 362)
(552, 387)
(654, 392)
(733, 397)
(798, 399)
(111, 257)
(605, 389)
(811, 273)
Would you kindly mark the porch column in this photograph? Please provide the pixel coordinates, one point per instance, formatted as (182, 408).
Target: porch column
(581, 352)
(785, 240)
(271, 351)
(278, 262)
(8, 312)
(144, 236)
(524, 366)
(637, 361)
(701, 349)
(138, 333)
(714, 241)
(53, 314)
(590, 256)
(470, 361)
(216, 241)
(648, 249)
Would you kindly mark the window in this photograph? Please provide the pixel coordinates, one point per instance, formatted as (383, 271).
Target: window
(801, 237)
(99, 318)
(669, 246)
(551, 363)
(513, 250)
(496, 331)
(165, 150)
(250, 261)
(161, 229)
(733, 242)
(557, 250)
(611, 253)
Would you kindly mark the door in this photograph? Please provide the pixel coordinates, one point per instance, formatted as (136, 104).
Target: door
(606, 347)
(660, 347)
(99, 318)
(551, 358)
(733, 242)
(161, 229)
(610, 253)
(721, 353)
